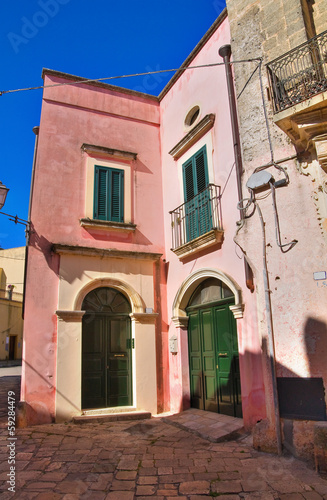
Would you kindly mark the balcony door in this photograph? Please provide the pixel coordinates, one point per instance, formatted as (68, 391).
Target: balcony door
(106, 350)
(196, 196)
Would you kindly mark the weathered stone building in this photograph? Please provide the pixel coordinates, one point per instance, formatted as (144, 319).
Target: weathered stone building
(283, 127)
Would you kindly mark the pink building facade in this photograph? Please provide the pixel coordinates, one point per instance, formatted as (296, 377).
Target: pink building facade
(136, 294)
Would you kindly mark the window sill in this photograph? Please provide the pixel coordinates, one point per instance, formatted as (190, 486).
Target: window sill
(213, 237)
(107, 225)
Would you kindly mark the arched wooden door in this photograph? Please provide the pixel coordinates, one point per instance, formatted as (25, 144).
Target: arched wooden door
(213, 350)
(106, 350)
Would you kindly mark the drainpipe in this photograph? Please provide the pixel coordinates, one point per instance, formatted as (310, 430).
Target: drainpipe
(36, 132)
(225, 52)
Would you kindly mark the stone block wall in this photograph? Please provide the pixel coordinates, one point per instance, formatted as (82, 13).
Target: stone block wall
(268, 29)
(320, 447)
(320, 15)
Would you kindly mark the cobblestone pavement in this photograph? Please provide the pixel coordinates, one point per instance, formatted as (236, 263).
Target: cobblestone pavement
(8, 383)
(127, 460)
(144, 460)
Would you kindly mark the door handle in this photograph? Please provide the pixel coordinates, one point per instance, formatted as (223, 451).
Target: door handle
(223, 354)
(119, 355)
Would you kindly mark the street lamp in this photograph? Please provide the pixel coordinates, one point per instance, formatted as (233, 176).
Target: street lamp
(3, 194)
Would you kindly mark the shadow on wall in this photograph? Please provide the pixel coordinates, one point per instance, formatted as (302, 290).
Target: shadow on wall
(36, 412)
(40, 243)
(300, 398)
(112, 236)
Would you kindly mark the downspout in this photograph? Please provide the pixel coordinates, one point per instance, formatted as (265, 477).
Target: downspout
(225, 52)
(36, 132)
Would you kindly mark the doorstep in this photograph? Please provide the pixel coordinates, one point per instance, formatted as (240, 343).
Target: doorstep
(111, 415)
(214, 427)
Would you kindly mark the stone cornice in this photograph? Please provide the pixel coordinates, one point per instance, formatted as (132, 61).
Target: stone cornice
(321, 148)
(144, 317)
(304, 121)
(103, 252)
(180, 321)
(116, 153)
(237, 310)
(108, 225)
(213, 237)
(71, 316)
(193, 136)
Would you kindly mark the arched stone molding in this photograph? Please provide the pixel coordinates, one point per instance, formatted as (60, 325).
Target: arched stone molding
(188, 286)
(134, 298)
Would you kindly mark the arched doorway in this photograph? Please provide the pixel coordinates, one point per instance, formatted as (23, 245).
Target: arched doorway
(106, 349)
(213, 350)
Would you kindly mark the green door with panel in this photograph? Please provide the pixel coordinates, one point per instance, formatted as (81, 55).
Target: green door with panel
(213, 358)
(106, 351)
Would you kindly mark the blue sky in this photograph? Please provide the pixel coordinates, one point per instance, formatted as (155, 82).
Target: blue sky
(93, 39)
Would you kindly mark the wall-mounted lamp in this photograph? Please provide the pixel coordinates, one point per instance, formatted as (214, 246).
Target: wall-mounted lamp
(3, 194)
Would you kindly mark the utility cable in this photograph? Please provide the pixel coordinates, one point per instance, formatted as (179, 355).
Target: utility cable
(12, 258)
(277, 227)
(94, 80)
(270, 331)
(265, 113)
(230, 173)
(248, 80)
(268, 130)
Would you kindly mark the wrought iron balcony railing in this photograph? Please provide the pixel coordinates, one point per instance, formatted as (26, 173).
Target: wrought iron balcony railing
(196, 217)
(299, 74)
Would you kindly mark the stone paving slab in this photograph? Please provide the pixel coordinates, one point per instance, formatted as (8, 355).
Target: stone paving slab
(147, 459)
(112, 417)
(209, 425)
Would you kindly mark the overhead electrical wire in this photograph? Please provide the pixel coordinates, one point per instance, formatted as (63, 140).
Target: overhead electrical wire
(5, 257)
(94, 80)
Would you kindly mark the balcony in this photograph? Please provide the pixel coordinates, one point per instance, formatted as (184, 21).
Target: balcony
(298, 89)
(300, 74)
(197, 223)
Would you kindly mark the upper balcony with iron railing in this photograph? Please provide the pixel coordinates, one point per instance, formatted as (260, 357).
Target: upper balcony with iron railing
(299, 74)
(197, 223)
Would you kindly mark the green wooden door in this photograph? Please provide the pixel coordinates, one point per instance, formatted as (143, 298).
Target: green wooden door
(119, 382)
(195, 360)
(228, 372)
(106, 361)
(214, 360)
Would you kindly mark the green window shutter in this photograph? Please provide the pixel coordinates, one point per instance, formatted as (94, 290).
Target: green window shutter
(200, 160)
(189, 188)
(197, 203)
(101, 193)
(117, 195)
(108, 194)
(195, 174)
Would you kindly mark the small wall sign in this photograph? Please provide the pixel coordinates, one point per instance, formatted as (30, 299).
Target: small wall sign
(319, 275)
